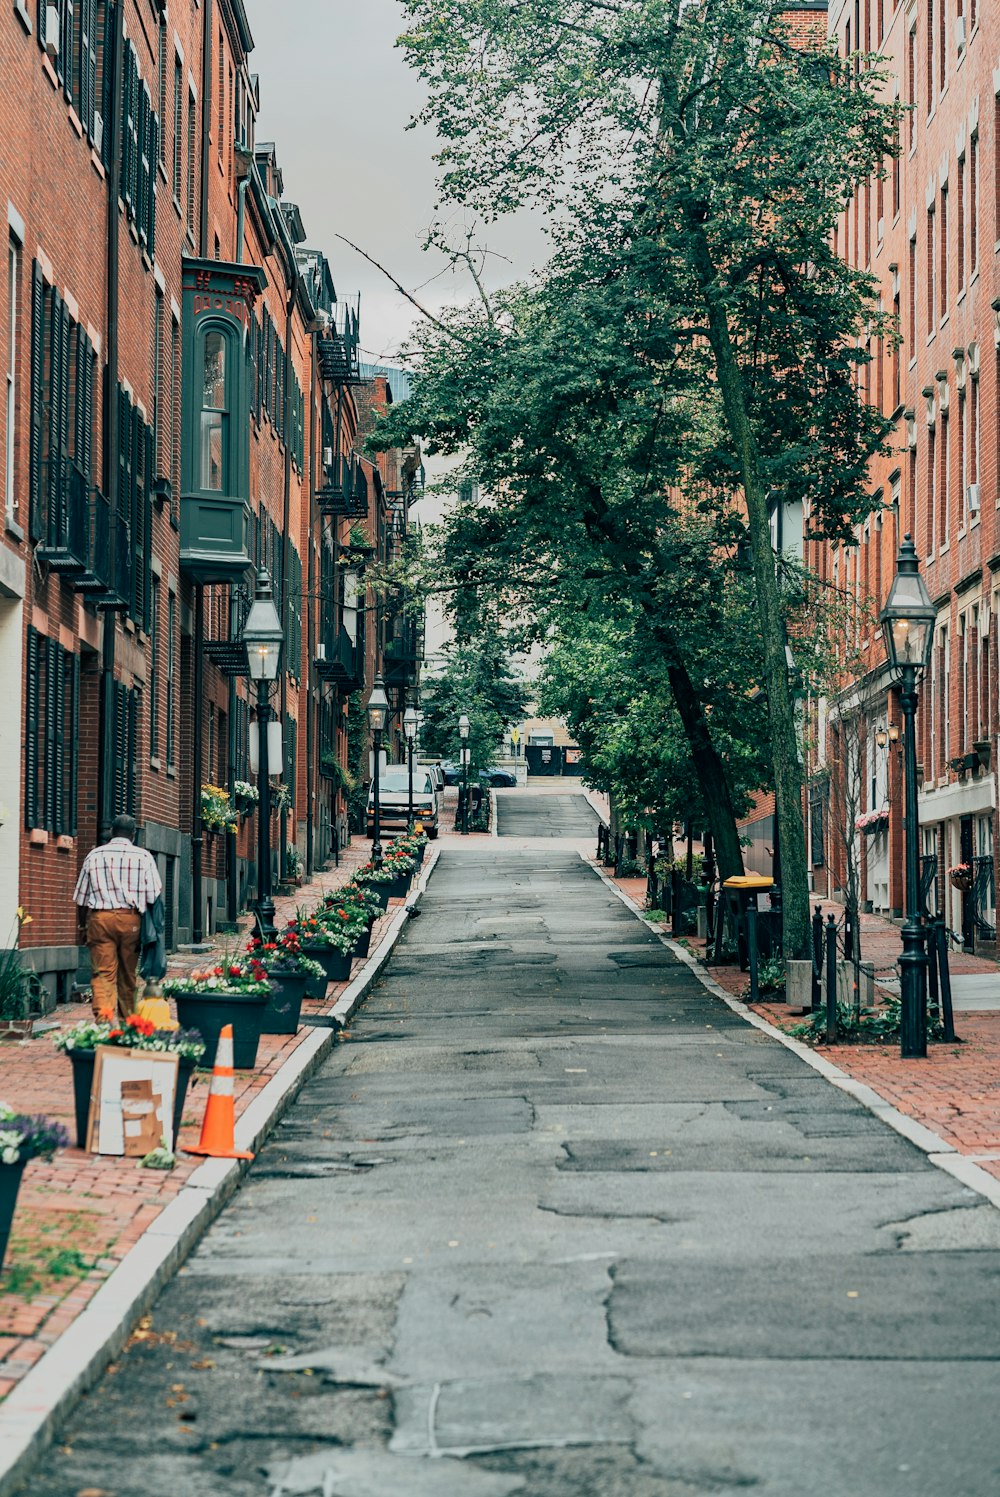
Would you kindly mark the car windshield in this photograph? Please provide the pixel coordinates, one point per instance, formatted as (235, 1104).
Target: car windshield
(396, 777)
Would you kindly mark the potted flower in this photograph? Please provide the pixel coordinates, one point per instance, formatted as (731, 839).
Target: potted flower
(80, 1044)
(281, 797)
(347, 917)
(414, 844)
(22, 1137)
(289, 970)
(20, 989)
(217, 811)
(246, 796)
(391, 881)
(962, 877)
(235, 992)
(293, 864)
(330, 945)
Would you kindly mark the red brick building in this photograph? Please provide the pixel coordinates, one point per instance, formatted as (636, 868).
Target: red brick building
(181, 408)
(930, 233)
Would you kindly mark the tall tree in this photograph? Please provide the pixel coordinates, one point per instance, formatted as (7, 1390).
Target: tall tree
(697, 134)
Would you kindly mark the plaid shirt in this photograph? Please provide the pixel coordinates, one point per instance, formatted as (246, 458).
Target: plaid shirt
(118, 876)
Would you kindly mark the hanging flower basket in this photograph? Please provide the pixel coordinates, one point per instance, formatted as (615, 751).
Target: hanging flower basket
(962, 877)
(872, 822)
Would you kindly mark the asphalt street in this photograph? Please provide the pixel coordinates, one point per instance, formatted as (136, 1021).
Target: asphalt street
(523, 813)
(555, 1221)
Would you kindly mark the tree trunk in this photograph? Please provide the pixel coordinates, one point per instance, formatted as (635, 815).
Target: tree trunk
(781, 715)
(710, 770)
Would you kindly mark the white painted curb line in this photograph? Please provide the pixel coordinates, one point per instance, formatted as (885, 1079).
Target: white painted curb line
(33, 1410)
(938, 1150)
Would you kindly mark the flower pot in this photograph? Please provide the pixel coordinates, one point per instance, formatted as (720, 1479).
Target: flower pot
(364, 942)
(400, 886)
(209, 1011)
(83, 1082)
(961, 882)
(281, 1012)
(10, 1184)
(336, 964)
(381, 892)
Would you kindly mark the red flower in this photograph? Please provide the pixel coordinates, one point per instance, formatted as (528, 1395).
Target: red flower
(115, 1034)
(217, 972)
(236, 971)
(141, 1026)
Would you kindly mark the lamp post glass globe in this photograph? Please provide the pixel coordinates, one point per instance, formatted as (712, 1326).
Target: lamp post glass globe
(410, 723)
(909, 616)
(463, 726)
(262, 632)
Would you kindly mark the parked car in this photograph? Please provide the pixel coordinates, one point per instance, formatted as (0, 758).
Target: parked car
(497, 776)
(394, 798)
(452, 772)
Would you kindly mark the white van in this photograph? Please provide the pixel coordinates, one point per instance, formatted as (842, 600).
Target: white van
(393, 800)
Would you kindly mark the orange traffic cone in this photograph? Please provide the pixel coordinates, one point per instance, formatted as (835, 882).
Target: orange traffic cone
(218, 1138)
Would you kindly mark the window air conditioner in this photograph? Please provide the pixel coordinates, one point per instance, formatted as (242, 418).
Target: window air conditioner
(320, 651)
(52, 30)
(327, 457)
(972, 494)
(98, 132)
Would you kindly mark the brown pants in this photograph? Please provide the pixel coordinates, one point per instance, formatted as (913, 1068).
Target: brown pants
(113, 937)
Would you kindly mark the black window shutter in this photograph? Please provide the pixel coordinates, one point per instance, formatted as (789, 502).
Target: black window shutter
(153, 149)
(49, 652)
(32, 687)
(142, 183)
(57, 695)
(132, 730)
(72, 663)
(147, 527)
(37, 399)
(120, 795)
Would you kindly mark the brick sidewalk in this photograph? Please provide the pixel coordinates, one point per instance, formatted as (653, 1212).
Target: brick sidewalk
(955, 1091)
(80, 1214)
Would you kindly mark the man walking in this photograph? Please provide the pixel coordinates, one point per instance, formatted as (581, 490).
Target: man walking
(116, 884)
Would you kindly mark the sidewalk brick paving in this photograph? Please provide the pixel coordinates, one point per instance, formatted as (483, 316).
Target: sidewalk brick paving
(80, 1214)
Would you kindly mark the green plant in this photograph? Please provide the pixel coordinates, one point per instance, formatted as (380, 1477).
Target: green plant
(67, 1263)
(629, 868)
(873, 1026)
(240, 975)
(770, 976)
(16, 986)
(335, 771)
(217, 811)
(293, 861)
(23, 1136)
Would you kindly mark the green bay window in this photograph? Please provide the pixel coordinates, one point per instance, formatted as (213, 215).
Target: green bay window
(218, 322)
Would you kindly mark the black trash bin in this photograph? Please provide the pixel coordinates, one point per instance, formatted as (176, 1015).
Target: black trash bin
(741, 892)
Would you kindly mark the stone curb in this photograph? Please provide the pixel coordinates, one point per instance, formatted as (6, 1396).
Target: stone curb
(938, 1150)
(45, 1395)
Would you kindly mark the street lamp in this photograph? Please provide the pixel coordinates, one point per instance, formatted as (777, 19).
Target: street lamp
(410, 720)
(263, 637)
(463, 733)
(908, 629)
(378, 716)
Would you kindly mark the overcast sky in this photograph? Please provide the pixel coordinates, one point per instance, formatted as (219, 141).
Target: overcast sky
(336, 96)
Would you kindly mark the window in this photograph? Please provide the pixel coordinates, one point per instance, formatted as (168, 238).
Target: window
(933, 496)
(177, 168)
(10, 426)
(140, 151)
(973, 205)
(161, 75)
(963, 458)
(169, 684)
(942, 235)
(214, 413)
(158, 423)
(975, 434)
(175, 412)
(912, 291)
(895, 354)
(944, 481)
(960, 224)
(932, 265)
(135, 474)
(942, 48)
(62, 418)
(930, 57)
(51, 736)
(911, 87)
(192, 161)
(154, 670)
(125, 709)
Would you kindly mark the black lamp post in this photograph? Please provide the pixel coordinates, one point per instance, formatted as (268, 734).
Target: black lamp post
(263, 637)
(378, 716)
(908, 629)
(463, 733)
(410, 730)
